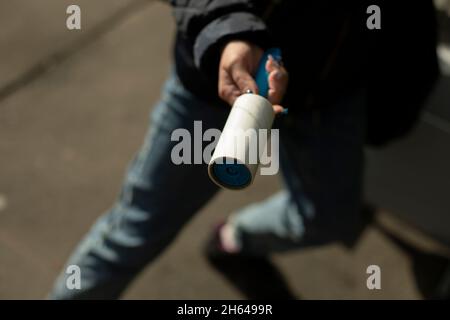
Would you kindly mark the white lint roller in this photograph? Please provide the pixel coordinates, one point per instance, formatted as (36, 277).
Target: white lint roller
(237, 154)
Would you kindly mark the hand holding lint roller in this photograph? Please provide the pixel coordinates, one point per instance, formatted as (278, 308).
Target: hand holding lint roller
(229, 166)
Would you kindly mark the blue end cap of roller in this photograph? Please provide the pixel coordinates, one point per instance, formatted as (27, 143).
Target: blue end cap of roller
(232, 175)
(262, 76)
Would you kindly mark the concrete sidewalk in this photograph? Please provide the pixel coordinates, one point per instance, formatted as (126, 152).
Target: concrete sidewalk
(73, 110)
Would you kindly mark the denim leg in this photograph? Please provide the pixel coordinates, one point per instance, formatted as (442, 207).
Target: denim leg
(321, 155)
(156, 200)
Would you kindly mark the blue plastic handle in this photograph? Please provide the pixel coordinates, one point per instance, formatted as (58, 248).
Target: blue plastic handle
(262, 76)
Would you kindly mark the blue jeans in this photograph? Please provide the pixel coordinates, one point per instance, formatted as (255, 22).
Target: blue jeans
(321, 155)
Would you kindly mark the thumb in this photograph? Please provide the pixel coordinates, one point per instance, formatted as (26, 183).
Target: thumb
(243, 79)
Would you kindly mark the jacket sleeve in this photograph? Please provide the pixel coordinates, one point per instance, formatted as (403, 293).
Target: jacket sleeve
(207, 24)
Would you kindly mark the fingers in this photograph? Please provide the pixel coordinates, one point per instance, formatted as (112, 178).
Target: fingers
(243, 79)
(277, 109)
(239, 60)
(237, 63)
(278, 80)
(231, 86)
(228, 91)
(235, 82)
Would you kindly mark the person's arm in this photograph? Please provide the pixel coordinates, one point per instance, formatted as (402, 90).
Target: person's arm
(229, 37)
(208, 25)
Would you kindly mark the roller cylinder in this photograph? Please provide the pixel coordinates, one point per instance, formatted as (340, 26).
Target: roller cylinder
(235, 159)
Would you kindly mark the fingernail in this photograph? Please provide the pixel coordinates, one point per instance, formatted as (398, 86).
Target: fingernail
(274, 61)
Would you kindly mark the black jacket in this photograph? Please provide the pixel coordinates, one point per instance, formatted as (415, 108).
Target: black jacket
(327, 49)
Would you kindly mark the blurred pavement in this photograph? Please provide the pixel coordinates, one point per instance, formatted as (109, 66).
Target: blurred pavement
(73, 110)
